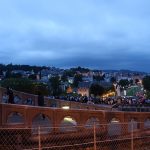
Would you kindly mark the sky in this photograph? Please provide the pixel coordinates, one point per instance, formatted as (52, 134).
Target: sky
(100, 34)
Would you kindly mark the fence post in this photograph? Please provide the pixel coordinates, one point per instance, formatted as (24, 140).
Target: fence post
(94, 137)
(39, 135)
(132, 147)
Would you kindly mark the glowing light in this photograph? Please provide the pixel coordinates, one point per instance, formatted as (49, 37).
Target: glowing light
(115, 121)
(70, 120)
(109, 94)
(66, 107)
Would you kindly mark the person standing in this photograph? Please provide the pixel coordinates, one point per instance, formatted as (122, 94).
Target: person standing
(10, 96)
(40, 99)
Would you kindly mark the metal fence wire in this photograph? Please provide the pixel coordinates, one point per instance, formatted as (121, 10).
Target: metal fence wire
(113, 136)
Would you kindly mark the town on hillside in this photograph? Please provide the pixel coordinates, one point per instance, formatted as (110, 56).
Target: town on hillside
(78, 84)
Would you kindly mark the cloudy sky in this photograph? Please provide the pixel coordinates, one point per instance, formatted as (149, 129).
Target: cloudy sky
(103, 34)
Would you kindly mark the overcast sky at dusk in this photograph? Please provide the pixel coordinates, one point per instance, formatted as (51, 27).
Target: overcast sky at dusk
(102, 34)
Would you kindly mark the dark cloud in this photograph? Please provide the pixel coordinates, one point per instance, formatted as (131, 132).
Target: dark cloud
(99, 33)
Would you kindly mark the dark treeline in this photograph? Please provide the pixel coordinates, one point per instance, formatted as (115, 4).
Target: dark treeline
(80, 69)
(21, 67)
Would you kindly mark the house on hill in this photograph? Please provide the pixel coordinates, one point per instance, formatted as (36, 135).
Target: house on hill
(84, 88)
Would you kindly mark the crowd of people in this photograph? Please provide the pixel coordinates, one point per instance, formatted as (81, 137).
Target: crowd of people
(137, 100)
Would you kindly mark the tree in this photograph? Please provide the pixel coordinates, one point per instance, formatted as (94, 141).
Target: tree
(123, 83)
(1, 72)
(16, 75)
(41, 88)
(64, 78)
(32, 77)
(113, 80)
(55, 89)
(24, 85)
(18, 84)
(146, 83)
(131, 82)
(98, 77)
(80, 69)
(136, 81)
(77, 79)
(96, 90)
(69, 73)
(8, 73)
(147, 94)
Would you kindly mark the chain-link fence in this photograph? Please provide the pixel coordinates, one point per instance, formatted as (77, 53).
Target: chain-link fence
(113, 136)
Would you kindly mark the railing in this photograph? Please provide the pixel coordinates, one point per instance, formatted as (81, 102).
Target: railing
(30, 99)
(114, 136)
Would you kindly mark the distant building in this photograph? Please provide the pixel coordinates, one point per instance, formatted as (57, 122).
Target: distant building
(105, 84)
(69, 90)
(71, 80)
(44, 79)
(87, 78)
(22, 72)
(84, 88)
(123, 78)
(64, 86)
(117, 90)
(107, 79)
(37, 77)
(139, 78)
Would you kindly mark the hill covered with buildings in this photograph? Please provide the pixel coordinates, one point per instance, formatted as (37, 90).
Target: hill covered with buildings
(54, 81)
